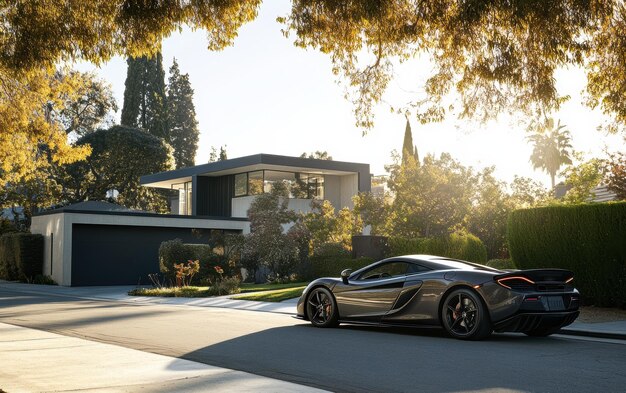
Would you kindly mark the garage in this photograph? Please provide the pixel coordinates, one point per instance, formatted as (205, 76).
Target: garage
(100, 244)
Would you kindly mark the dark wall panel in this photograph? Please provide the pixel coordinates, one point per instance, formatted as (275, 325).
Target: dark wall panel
(219, 193)
(121, 255)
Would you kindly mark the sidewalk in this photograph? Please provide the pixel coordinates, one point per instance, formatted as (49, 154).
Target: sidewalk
(612, 330)
(36, 361)
(120, 293)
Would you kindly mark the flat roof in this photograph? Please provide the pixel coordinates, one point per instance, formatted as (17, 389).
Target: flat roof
(254, 163)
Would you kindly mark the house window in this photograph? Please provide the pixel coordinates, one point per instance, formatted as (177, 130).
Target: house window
(184, 198)
(299, 184)
(241, 184)
(255, 183)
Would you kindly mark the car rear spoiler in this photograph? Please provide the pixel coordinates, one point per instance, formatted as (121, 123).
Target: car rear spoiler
(539, 275)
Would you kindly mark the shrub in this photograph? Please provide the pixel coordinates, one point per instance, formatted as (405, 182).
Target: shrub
(226, 286)
(457, 245)
(21, 256)
(405, 246)
(337, 250)
(589, 239)
(173, 252)
(332, 266)
(501, 264)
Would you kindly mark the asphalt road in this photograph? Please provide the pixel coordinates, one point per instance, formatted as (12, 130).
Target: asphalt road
(343, 359)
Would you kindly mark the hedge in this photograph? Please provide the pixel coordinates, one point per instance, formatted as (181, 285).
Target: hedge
(329, 266)
(21, 256)
(589, 239)
(457, 245)
(501, 264)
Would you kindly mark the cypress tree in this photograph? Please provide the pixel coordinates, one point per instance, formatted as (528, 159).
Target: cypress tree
(408, 148)
(145, 102)
(183, 124)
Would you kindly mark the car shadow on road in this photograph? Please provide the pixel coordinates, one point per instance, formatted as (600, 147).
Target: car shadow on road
(363, 358)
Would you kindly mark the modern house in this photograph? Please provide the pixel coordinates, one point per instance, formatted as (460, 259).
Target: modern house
(98, 243)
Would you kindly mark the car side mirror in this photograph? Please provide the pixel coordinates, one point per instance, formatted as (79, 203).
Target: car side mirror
(345, 274)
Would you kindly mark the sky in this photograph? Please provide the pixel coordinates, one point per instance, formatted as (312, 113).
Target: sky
(264, 95)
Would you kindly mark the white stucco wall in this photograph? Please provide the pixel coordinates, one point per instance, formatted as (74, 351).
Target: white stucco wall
(349, 188)
(60, 224)
(52, 228)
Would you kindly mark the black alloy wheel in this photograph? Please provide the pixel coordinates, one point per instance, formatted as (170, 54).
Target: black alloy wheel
(464, 316)
(321, 308)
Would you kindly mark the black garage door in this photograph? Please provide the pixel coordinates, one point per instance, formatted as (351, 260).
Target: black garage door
(121, 255)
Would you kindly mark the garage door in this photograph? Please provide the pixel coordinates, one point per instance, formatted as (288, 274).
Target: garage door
(121, 255)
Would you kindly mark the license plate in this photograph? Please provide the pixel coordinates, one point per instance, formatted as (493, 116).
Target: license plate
(553, 303)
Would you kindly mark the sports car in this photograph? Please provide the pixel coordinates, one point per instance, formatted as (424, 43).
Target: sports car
(468, 300)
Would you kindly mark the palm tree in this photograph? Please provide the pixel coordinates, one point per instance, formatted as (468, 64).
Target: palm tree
(551, 147)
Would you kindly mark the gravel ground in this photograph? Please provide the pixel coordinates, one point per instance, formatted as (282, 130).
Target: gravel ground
(591, 314)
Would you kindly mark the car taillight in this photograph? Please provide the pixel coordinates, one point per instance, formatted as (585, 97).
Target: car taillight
(514, 281)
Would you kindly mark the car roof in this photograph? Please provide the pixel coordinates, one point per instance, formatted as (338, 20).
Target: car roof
(442, 263)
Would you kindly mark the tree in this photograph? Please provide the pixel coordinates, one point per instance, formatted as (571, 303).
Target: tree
(120, 156)
(616, 174)
(183, 125)
(432, 199)
(498, 55)
(317, 155)
(90, 108)
(76, 102)
(145, 101)
(326, 226)
(408, 148)
(266, 244)
(488, 215)
(215, 156)
(373, 211)
(525, 193)
(551, 147)
(582, 179)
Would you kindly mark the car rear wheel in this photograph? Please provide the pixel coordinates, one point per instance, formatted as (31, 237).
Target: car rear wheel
(322, 308)
(464, 316)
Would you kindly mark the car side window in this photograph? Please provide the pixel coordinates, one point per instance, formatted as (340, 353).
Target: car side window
(414, 268)
(386, 270)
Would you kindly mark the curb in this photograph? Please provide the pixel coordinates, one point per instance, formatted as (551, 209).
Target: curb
(591, 333)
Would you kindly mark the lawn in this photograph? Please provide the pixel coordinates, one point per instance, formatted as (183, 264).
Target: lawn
(271, 292)
(173, 292)
(277, 295)
(270, 287)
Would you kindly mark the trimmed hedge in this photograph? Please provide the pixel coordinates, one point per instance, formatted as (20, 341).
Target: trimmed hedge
(589, 239)
(21, 256)
(501, 264)
(457, 245)
(331, 266)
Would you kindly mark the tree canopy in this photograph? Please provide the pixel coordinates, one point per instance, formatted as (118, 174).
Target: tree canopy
(498, 56)
(184, 133)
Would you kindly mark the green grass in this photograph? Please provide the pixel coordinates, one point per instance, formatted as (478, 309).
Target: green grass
(277, 295)
(280, 289)
(270, 287)
(171, 292)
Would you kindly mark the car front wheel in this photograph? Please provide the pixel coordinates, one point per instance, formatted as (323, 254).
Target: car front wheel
(322, 308)
(464, 316)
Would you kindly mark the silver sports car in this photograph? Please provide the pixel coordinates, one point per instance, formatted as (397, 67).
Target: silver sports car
(469, 300)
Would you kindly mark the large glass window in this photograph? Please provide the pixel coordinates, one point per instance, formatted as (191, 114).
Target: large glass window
(184, 197)
(299, 185)
(255, 183)
(241, 184)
